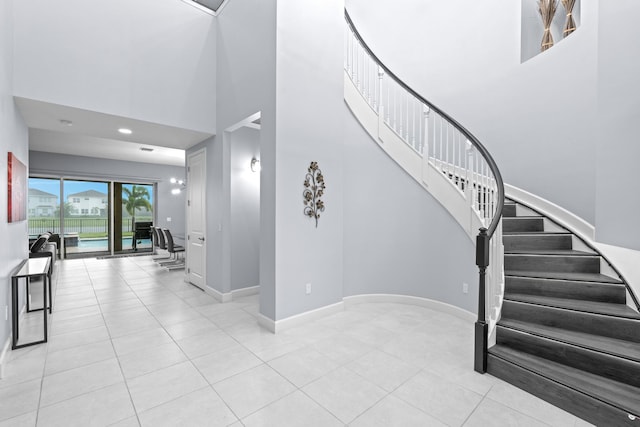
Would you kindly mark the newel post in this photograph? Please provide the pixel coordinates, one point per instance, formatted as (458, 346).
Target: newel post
(481, 329)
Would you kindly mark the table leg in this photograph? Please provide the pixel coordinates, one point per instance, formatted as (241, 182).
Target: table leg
(14, 311)
(45, 283)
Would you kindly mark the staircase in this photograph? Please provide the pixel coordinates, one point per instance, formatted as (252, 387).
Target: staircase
(566, 333)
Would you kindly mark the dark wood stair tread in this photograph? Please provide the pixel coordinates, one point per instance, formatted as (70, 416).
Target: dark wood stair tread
(538, 233)
(535, 233)
(620, 395)
(608, 309)
(581, 277)
(559, 252)
(621, 348)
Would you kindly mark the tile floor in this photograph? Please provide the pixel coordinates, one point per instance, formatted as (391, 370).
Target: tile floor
(132, 345)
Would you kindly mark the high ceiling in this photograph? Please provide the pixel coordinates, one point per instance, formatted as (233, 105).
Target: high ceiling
(213, 6)
(61, 129)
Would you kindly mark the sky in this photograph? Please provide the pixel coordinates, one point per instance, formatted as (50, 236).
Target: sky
(52, 186)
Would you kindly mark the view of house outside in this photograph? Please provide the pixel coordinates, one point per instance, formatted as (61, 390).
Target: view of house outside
(85, 212)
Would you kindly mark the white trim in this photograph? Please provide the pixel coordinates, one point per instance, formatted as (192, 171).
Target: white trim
(245, 292)
(276, 326)
(411, 300)
(246, 122)
(7, 345)
(230, 296)
(626, 262)
(420, 168)
(4, 355)
(572, 222)
(265, 322)
(187, 244)
(206, 9)
(219, 296)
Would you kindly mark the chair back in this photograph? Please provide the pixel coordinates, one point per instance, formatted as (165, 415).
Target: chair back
(169, 237)
(161, 241)
(154, 234)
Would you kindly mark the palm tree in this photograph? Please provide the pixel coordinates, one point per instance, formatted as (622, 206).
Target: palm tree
(136, 198)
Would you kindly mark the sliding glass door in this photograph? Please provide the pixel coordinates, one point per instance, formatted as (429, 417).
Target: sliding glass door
(80, 211)
(86, 215)
(43, 206)
(133, 217)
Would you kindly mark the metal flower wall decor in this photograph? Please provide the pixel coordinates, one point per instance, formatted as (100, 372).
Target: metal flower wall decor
(313, 190)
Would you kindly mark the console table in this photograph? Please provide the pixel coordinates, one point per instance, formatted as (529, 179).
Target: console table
(30, 268)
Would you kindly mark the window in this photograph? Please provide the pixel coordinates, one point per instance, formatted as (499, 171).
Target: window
(84, 211)
(76, 200)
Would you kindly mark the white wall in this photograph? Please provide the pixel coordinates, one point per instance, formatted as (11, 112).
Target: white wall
(397, 238)
(618, 150)
(536, 118)
(245, 209)
(152, 60)
(308, 125)
(245, 86)
(169, 205)
(309, 97)
(13, 137)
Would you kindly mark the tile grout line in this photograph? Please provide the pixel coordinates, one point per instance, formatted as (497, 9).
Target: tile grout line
(126, 384)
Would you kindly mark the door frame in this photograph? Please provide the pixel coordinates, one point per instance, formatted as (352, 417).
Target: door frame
(202, 151)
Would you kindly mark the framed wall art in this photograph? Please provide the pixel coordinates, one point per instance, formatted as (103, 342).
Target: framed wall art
(17, 189)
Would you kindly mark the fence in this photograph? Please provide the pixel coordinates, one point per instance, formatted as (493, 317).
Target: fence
(78, 225)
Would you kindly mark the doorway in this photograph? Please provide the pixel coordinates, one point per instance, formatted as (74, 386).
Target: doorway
(196, 218)
(92, 218)
(133, 217)
(86, 224)
(244, 206)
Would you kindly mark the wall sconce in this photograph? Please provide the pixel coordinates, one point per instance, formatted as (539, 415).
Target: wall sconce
(255, 165)
(180, 183)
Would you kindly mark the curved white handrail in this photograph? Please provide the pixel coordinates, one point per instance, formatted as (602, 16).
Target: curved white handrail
(433, 148)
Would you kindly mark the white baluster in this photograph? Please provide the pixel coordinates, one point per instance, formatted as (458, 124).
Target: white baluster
(413, 119)
(380, 101)
(424, 136)
(441, 153)
(405, 108)
(469, 167)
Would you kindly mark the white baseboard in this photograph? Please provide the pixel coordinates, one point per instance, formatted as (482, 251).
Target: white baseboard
(4, 355)
(219, 296)
(265, 322)
(276, 326)
(245, 292)
(230, 296)
(411, 300)
(7, 345)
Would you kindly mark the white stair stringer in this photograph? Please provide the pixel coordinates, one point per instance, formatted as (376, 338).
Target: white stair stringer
(439, 179)
(420, 168)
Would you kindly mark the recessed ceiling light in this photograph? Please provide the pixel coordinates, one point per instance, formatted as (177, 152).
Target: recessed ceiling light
(66, 122)
(125, 131)
(146, 149)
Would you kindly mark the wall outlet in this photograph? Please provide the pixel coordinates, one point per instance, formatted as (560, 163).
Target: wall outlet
(465, 288)
(168, 219)
(308, 288)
